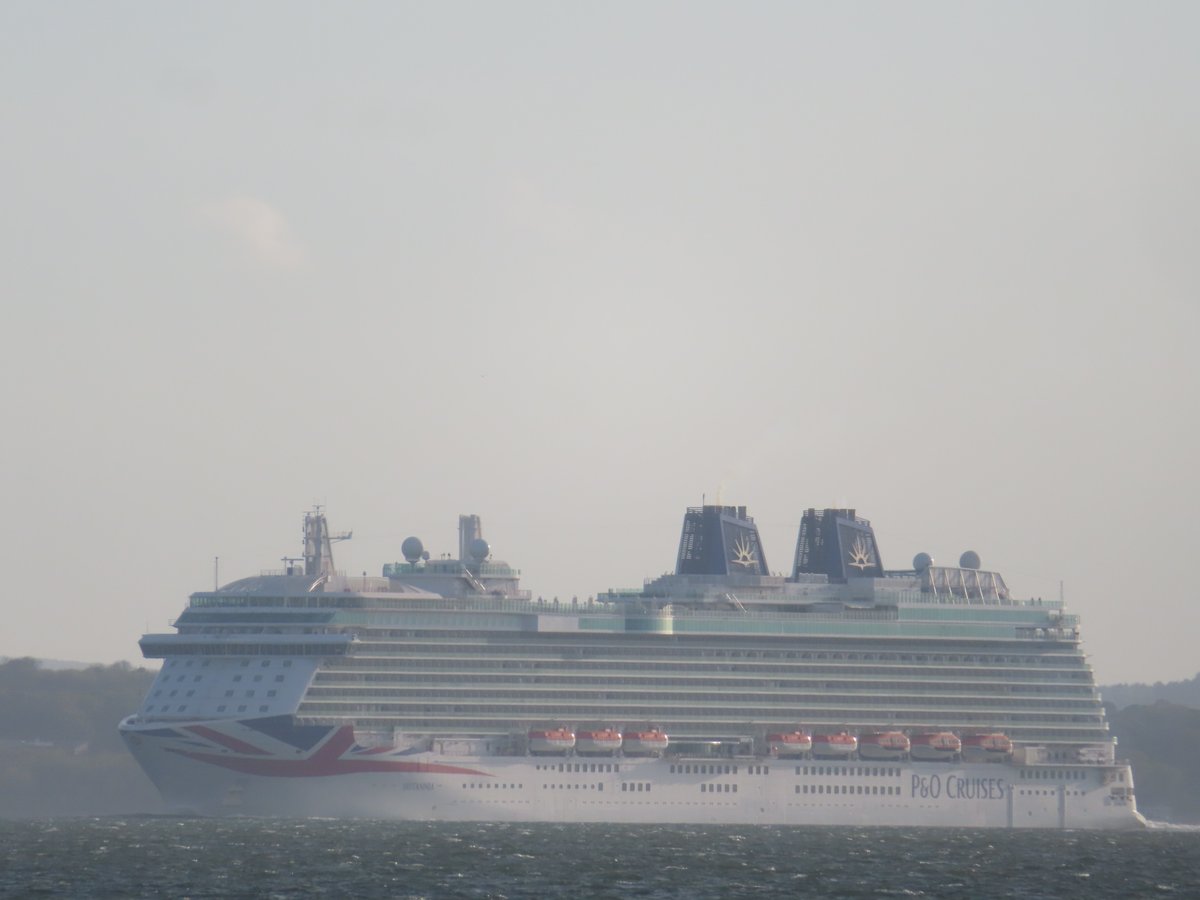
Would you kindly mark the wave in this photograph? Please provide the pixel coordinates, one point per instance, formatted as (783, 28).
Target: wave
(1170, 826)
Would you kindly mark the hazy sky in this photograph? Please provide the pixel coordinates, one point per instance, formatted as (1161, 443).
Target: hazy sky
(573, 267)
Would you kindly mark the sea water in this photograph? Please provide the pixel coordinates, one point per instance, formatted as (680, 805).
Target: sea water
(170, 857)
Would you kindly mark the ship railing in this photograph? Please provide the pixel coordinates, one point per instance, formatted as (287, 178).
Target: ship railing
(295, 571)
(913, 597)
(667, 611)
(716, 615)
(451, 567)
(883, 612)
(368, 601)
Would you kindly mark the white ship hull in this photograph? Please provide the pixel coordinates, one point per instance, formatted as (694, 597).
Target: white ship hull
(879, 754)
(226, 768)
(469, 695)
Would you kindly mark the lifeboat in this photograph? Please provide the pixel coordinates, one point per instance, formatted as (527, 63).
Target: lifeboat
(935, 746)
(883, 745)
(994, 747)
(792, 743)
(834, 746)
(649, 742)
(597, 741)
(551, 741)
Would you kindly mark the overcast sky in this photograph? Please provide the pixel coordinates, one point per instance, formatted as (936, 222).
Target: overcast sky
(574, 267)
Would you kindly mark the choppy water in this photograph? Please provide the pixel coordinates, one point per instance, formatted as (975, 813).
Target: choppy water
(166, 857)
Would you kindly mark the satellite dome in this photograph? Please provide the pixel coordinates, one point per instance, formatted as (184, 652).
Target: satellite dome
(969, 560)
(479, 549)
(922, 561)
(412, 548)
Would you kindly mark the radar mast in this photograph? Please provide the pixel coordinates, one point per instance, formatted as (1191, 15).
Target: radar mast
(318, 543)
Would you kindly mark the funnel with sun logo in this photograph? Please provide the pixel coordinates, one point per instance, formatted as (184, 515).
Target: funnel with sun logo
(720, 540)
(836, 543)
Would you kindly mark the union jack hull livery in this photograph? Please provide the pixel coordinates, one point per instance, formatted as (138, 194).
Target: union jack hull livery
(843, 693)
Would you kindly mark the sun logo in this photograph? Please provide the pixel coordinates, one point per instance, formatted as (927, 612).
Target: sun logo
(743, 554)
(860, 555)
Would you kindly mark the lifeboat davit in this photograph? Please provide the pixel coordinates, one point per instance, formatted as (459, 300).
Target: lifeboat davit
(546, 741)
(883, 745)
(792, 743)
(648, 742)
(994, 747)
(597, 741)
(935, 746)
(834, 746)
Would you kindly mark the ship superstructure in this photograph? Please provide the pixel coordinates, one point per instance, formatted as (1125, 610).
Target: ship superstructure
(450, 659)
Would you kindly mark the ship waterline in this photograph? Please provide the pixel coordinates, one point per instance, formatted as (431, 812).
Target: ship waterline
(414, 694)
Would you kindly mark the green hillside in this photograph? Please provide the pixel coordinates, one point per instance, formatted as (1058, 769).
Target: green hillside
(59, 749)
(1160, 741)
(1183, 693)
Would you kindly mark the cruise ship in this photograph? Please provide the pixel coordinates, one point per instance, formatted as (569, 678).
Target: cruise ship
(841, 693)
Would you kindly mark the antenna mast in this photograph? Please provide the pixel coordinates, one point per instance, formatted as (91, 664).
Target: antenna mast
(318, 550)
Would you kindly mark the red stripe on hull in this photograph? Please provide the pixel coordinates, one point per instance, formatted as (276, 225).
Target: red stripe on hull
(218, 737)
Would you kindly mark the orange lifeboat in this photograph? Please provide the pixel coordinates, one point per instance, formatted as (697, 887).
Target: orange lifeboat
(993, 747)
(834, 746)
(792, 743)
(597, 741)
(883, 745)
(648, 742)
(551, 741)
(935, 746)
